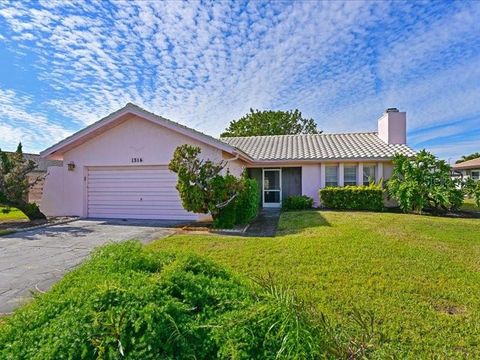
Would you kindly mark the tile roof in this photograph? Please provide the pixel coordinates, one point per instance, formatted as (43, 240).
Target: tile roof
(469, 164)
(317, 147)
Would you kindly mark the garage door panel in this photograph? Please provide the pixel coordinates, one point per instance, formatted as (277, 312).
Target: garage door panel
(166, 197)
(136, 193)
(167, 205)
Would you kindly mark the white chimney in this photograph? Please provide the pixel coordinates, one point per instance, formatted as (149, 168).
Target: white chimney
(392, 126)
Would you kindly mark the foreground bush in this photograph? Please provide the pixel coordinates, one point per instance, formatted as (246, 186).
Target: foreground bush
(128, 302)
(297, 202)
(353, 197)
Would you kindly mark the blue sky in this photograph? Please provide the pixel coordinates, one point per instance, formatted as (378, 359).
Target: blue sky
(65, 64)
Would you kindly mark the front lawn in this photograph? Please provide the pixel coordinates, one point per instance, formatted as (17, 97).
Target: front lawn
(13, 215)
(419, 275)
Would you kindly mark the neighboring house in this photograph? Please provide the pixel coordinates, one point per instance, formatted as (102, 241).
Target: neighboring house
(468, 169)
(118, 166)
(37, 176)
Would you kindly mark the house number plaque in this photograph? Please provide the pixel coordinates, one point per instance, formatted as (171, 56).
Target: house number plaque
(137, 160)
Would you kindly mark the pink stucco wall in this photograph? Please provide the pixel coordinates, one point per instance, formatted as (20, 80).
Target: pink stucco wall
(134, 138)
(311, 176)
(52, 203)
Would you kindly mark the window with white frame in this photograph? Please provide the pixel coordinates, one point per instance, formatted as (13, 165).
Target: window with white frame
(331, 175)
(350, 175)
(368, 174)
(475, 175)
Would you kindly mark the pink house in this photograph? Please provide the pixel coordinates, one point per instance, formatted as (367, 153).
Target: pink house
(117, 167)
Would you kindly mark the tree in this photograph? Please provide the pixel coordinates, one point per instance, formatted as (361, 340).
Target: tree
(269, 122)
(424, 183)
(200, 184)
(14, 183)
(468, 157)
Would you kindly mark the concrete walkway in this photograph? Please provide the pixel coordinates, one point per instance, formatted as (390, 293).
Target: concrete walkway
(34, 260)
(265, 224)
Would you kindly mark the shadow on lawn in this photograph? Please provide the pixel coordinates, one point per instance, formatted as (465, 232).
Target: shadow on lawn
(297, 221)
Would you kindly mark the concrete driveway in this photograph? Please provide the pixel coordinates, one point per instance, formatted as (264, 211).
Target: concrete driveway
(34, 260)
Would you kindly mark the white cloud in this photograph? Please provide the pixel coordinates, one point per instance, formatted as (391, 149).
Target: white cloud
(205, 64)
(19, 124)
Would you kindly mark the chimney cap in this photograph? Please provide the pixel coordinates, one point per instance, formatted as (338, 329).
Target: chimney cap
(392, 109)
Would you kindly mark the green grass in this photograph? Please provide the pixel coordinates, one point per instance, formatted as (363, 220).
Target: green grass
(469, 205)
(13, 215)
(419, 275)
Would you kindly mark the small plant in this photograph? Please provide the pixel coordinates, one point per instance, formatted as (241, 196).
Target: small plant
(297, 202)
(353, 197)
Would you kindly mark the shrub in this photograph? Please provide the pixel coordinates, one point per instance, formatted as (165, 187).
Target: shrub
(472, 190)
(242, 209)
(424, 182)
(297, 202)
(129, 302)
(227, 216)
(32, 211)
(247, 201)
(353, 197)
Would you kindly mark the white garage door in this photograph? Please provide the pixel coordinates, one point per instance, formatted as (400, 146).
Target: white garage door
(134, 193)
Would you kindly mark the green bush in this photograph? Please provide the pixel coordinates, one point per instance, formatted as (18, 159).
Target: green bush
(243, 209)
(424, 182)
(133, 303)
(247, 201)
(353, 197)
(226, 218)
(297, 202)
(32, 211)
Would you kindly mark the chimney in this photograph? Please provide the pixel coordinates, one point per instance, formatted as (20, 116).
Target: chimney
(392, 126)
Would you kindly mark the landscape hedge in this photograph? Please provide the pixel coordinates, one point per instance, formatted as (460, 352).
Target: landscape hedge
(297, 202)
(353, 197)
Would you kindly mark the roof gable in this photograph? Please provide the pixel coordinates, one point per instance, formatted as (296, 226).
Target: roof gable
(128, 112)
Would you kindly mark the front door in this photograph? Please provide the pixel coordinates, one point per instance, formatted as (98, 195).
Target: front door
(272, 187)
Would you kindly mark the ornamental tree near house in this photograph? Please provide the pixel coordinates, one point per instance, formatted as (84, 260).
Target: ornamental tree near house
(424, 183)
(14, 183)
(200, 184)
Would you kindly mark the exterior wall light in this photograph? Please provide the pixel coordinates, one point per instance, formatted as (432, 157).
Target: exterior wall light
(71, 166)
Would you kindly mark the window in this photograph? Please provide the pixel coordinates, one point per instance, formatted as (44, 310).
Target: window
(350, 175)
(331, 176)
(476, 174)
(368, 174)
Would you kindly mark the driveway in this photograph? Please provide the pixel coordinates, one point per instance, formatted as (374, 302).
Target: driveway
(34, 260)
